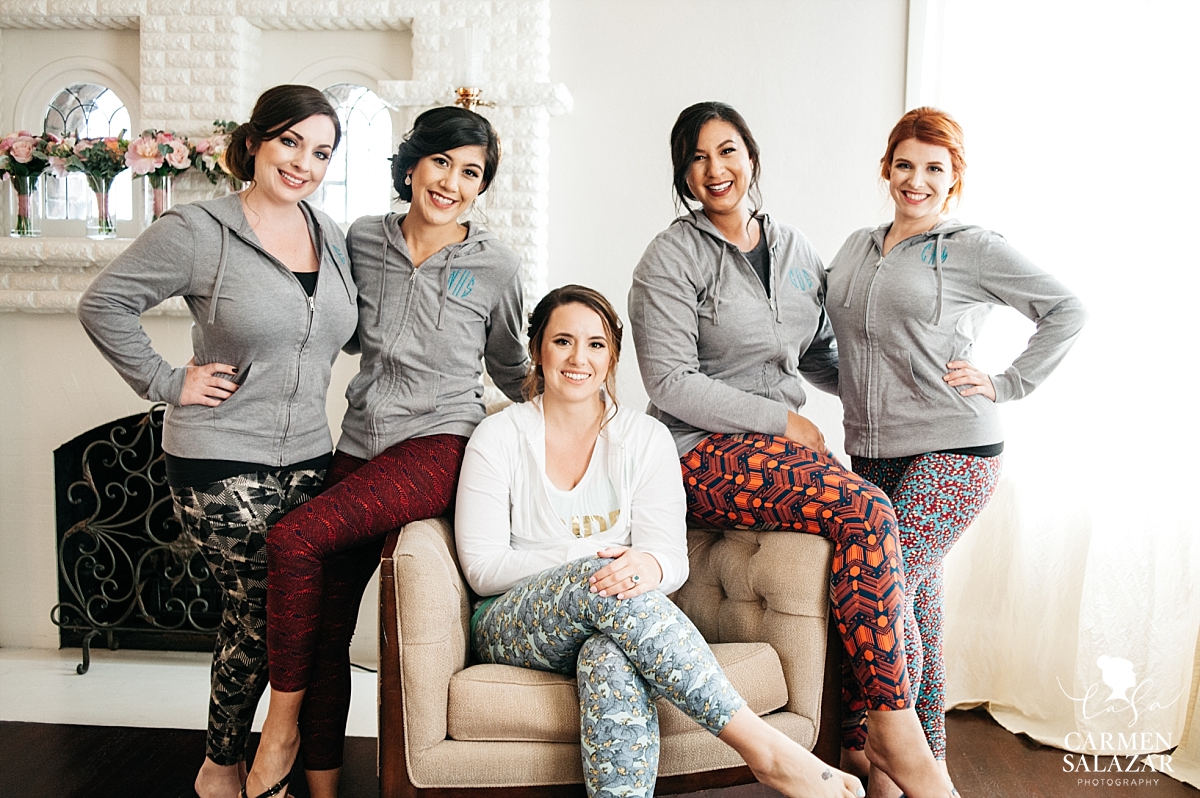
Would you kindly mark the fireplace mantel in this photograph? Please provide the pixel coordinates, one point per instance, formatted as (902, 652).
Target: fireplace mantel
(48, 275)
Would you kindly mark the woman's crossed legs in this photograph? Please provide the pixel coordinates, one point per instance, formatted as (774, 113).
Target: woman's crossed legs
(625, 653)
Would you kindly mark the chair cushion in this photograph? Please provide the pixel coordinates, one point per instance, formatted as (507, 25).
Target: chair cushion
(504, 702)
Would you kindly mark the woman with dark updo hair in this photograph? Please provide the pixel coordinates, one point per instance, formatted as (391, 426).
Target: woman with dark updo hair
(437, 298)
(266, 279)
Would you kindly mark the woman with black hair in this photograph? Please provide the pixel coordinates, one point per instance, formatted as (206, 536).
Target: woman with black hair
(436, 297)
(728, 312)
(268, 285)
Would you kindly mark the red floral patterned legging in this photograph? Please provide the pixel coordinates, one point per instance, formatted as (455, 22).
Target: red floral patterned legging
(320, 558)
(764, 482)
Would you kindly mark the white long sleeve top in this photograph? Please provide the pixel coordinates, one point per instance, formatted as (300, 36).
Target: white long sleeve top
(506, 529)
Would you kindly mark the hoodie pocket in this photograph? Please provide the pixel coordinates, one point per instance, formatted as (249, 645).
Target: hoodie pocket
(249, 410)
(936, 392)
(417, 391)
(922, 383)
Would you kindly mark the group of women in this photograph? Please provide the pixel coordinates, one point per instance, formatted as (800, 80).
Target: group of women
(570, 509)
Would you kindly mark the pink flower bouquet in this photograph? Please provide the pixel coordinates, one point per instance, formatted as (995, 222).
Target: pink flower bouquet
(100, 160)
(22, 161)
(208, 155)
(158, 155)
(58, 152)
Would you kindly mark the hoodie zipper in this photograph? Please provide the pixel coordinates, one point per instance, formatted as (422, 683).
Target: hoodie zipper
(870, 357)
(312, 310)
(397, 342)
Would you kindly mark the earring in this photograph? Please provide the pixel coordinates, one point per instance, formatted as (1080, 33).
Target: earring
(408, 180)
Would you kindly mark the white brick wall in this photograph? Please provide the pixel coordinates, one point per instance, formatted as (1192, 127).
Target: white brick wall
(199, 67)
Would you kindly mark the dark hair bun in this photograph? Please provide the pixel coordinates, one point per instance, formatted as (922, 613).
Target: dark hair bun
(238, 159)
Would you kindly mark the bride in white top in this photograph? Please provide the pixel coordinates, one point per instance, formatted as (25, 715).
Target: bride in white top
(571, 501)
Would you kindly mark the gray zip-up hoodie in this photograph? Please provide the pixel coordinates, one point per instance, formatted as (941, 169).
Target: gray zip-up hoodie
(423, 332)
(900, 319)
(248, 310)
(717, 351)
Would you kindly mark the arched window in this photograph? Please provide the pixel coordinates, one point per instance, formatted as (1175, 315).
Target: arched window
(87, 110)
(359, 179)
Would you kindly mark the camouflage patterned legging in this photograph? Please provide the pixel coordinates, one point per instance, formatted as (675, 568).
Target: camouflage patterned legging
(624, 653)
(229, 521)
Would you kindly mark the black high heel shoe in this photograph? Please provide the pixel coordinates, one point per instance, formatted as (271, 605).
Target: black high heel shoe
(279, 787)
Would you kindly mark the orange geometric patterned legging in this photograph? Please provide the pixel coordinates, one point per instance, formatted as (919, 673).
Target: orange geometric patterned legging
(751, 481)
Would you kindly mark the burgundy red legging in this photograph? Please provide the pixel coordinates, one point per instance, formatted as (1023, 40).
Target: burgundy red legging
(763, 482)
(320, 558)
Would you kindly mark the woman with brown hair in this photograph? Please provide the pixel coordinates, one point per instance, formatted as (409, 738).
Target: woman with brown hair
(268, 285)
(570, 521)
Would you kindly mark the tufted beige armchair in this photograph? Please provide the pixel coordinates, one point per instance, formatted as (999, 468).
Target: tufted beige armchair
(451, 728)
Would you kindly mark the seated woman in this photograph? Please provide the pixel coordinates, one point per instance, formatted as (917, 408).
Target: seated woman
(570, 501)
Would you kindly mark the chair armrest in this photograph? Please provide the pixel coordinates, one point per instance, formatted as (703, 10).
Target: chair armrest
(770, 587)
(432, 622)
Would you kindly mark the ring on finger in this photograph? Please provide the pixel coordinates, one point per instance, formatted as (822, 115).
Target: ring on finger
(635, 578)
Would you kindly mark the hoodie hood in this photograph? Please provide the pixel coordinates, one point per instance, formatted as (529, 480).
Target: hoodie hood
(700, 222)
(230, 214)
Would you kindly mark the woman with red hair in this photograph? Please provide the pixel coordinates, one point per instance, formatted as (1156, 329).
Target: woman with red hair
(906, 300)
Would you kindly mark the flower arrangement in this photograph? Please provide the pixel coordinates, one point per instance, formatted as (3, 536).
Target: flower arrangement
(58, 152)
(22, 161)
(158, 155)
(100, 160)
(208, 155)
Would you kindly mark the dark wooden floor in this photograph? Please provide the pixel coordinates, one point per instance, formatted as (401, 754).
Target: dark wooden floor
(50, 761)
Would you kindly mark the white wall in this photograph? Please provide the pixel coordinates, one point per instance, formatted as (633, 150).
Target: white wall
(820, 83)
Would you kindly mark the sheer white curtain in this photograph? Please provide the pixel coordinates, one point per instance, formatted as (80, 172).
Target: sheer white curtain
(1081, 579)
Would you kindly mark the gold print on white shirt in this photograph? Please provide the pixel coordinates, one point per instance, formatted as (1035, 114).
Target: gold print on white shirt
(584, 526)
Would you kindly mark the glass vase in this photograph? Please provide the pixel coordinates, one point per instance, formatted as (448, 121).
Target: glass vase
(159, 197)
(100, 221)
(25, 202)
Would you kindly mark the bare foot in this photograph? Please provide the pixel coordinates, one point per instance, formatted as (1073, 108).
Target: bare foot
(272, 764)
(783, 764)
(218, 781)
(897, 746)
(795, 772)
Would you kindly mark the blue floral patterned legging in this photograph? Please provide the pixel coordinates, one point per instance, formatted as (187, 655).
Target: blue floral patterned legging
(936, 497)
(624, 653)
